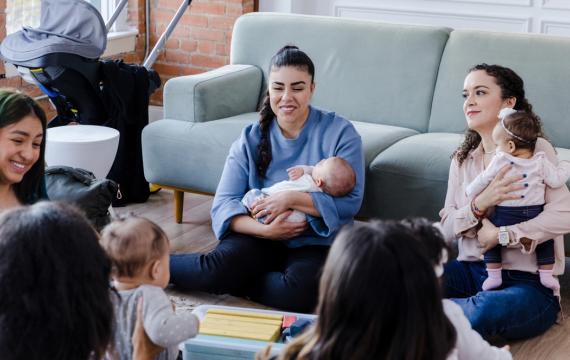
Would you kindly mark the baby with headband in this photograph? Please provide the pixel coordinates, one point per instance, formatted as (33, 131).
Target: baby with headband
(515, 136)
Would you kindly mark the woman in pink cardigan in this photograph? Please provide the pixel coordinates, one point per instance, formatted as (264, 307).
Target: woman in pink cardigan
(521, 307)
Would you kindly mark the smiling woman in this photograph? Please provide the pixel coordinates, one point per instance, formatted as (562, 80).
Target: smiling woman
(22, 149)
(522, 306)
(277, 262)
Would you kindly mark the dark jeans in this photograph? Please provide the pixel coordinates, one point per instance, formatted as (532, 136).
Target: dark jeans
(520, 308)
(510, 215)
(264, 270)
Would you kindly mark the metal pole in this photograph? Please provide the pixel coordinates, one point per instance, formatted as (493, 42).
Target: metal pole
(115, 15)
(149, 61)
(146, 28)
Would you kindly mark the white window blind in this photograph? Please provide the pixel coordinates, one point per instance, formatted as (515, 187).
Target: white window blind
(22, 12)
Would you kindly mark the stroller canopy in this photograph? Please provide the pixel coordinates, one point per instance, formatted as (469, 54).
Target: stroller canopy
(66, 26)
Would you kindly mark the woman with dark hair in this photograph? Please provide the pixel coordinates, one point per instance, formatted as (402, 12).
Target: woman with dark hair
(55, 295)
(54, 285)
(22, 149)
(521, 307)
(277, 262)
(379, 298)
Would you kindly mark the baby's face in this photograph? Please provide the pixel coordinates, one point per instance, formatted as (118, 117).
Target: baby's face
(500, 139)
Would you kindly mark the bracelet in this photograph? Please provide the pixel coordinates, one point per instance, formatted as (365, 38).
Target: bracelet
(475, 210)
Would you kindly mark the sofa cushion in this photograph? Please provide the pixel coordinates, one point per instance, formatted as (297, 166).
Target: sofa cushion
(186, 142)
(376, 137)
(541, 61)
(365, 70)
(190, 155)
(410, 177)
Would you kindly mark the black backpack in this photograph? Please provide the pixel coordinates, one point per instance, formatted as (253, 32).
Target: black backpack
(81, 188)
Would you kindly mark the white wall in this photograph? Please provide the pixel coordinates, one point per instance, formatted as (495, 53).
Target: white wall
(532, 16)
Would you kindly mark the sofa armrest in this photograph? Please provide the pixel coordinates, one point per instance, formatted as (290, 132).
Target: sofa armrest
(227, 91)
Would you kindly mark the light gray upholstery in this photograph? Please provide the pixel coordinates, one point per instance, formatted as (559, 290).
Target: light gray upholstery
(542, 62)
(376, 137)
(224, 92)
(362, 67)
(190, 155)
(400, 85)
(410, 177)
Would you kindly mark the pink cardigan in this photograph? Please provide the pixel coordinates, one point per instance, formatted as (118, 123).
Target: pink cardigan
(458, 222)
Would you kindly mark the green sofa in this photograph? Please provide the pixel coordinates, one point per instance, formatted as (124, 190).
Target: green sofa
(400, 85)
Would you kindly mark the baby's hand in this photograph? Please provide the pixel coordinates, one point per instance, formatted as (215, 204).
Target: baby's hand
(295, 172)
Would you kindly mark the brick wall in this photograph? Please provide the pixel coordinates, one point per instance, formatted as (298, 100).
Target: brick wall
(200, 42)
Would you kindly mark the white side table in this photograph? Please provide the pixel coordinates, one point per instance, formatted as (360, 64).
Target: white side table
(88, 147)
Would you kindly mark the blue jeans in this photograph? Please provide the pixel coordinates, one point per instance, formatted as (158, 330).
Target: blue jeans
(510, 215)
(520, 308)
(264, 270)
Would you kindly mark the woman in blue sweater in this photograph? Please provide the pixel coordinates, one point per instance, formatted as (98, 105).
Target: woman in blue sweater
(277, 262)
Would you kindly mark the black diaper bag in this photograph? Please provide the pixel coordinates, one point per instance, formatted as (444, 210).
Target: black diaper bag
(80, 188)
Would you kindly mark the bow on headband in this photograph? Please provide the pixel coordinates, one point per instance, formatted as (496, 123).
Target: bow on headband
(502, 115)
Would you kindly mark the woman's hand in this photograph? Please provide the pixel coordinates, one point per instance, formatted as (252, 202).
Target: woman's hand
(499, 190)
(281, 229)
(488, 236)
(143, 348)
(272, 206)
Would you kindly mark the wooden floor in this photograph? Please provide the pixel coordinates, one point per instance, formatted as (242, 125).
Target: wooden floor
(195, 235)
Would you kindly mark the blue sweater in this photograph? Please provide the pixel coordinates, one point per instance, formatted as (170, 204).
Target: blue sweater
(325, 134)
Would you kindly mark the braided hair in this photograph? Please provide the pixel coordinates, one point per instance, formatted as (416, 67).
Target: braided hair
(511, 86)
(289, 55)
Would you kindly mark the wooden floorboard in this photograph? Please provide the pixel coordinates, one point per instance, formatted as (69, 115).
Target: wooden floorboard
(195, 234)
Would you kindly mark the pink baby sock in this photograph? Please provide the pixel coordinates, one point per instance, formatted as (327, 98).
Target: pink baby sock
(548, 280)
(494, 280)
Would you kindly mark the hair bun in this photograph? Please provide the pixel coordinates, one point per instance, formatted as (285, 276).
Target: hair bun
(289, 47)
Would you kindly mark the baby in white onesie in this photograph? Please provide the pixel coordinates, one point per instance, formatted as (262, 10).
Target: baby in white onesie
(139, 252)
(332, 175)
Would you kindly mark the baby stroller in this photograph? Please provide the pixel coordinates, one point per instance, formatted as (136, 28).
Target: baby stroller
(61, 57)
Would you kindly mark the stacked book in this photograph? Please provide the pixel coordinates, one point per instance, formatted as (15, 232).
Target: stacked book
(232, 334)
(242, 325)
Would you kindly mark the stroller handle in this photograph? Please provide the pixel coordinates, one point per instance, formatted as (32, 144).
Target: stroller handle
(149, 61)
(115, 15)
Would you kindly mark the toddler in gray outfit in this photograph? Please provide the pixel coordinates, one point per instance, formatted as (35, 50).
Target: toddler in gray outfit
(139, 251)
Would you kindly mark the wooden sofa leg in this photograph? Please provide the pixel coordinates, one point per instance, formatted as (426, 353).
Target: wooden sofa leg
(178, 205)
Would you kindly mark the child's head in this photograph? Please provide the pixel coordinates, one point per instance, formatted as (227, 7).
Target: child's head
(54, 285)
(378, 280)
(22, 145)
(138, 249)
(516, 130)
(432, 240)
(335, 176)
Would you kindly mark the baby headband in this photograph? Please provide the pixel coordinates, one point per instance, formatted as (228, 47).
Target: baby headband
(502, 115)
